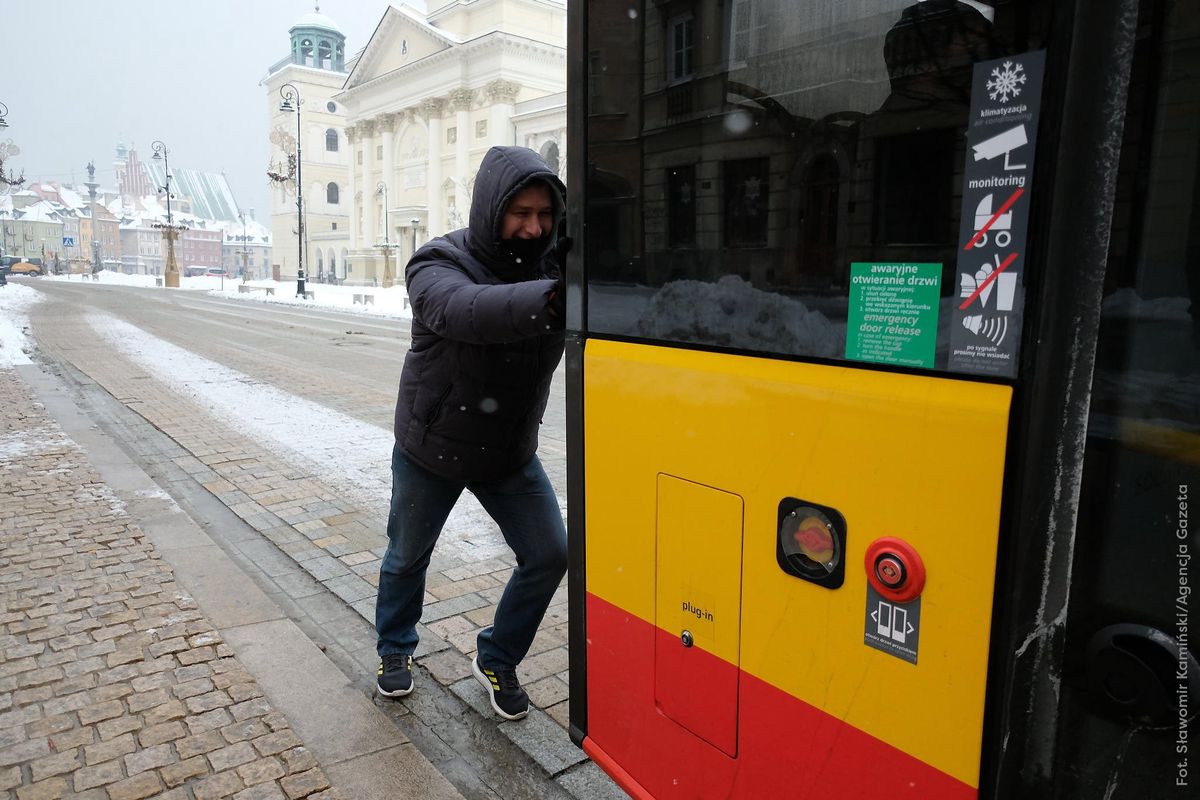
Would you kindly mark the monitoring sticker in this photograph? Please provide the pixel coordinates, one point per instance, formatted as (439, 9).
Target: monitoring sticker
(985, 332)
(893, 313)
(894, 628)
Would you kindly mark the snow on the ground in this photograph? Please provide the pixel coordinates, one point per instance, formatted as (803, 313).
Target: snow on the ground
(15, 301)
(31, 442)
(351, 456)
(105, 276)
(392, 303)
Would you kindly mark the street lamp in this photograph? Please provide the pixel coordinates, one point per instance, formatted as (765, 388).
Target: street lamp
(387, 245)
(245, 249)
(92, 186)
(170, 230)
(7, 179)
(289, 93)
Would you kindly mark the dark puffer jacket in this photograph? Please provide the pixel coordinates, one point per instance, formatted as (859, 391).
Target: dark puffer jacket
(484, 345)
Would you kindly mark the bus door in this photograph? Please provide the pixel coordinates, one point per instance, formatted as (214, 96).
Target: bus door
(803, 337)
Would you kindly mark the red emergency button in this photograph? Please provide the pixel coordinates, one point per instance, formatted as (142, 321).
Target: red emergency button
(890, 571)
(895, 569)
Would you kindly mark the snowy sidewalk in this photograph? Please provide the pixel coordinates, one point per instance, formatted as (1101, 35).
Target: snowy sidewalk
(121, 679)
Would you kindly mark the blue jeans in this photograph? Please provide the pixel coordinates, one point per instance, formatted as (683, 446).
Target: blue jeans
(523, 504)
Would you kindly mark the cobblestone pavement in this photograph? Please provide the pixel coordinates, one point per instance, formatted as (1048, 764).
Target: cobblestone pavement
(113, 685)
(336, 540)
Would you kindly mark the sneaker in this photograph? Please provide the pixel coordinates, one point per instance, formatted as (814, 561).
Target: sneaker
(395, 675)
(504, 690)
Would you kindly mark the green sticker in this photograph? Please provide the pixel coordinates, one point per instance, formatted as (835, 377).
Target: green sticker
(893, 313)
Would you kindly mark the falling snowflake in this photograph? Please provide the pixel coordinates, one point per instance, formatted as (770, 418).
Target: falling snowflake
(1006, 82)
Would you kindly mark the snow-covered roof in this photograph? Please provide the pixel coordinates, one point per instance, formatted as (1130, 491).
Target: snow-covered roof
(315, 19)
(209, 191)
(256, 232)
(38, 212)
(70, 197)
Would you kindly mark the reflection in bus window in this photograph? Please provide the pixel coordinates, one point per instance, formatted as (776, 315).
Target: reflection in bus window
(759, 147)
(1143, 446)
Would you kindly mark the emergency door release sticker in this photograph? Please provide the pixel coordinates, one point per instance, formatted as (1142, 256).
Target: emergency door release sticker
(894, 628)
(985, 332)
(893, 313)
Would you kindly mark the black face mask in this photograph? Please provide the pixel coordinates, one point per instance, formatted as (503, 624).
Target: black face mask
(526, 251)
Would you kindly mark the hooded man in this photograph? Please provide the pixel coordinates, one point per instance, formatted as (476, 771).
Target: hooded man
(487, 334)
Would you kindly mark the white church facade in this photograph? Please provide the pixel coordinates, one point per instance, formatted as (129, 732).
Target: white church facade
(390, 146)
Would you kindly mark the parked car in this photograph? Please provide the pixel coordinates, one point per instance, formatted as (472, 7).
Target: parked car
(25, 268)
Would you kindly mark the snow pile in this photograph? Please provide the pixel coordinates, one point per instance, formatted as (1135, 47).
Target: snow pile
(112, 278)
(352, 456)
(732, 313)
(392, 303)
(1127, 303)
(105, 276)
(15, 301)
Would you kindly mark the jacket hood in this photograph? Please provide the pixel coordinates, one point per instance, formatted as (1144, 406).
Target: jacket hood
(503, 172)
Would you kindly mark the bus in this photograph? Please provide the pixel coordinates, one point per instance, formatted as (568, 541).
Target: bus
(883, 396)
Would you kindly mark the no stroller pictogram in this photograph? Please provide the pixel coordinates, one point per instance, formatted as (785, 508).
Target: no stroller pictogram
(1004, 207)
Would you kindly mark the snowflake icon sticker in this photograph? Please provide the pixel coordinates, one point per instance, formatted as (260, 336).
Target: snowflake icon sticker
(1006, 81)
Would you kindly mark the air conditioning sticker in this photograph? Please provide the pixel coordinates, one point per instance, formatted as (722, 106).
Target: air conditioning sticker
(985, 331)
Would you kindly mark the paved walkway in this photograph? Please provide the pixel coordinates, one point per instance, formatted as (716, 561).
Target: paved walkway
(337, 541)
(119, 682)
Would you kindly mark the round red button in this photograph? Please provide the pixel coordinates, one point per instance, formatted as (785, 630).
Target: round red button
(895, 569)
(890, 571)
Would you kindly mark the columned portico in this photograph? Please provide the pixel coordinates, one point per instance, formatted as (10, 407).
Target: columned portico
(387, 125)
(503, 95)
(427, 97)
(370, 232)
(461, 101)
(432, 109)
(351, 184)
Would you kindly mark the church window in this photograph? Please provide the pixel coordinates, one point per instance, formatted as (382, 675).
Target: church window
(680, 41)
(481, 129)
(331, 140)
(331, 194)
(379, 151)
(325, 55)
(451, 135)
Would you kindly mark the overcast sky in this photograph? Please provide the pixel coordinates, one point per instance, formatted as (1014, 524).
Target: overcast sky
(81, 76)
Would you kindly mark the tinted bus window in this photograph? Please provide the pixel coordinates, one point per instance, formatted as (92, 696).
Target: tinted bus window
(744, 154)
(1142, 469)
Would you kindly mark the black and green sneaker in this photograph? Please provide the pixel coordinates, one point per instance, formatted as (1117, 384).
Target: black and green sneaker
(395, 675)
(504, 690)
